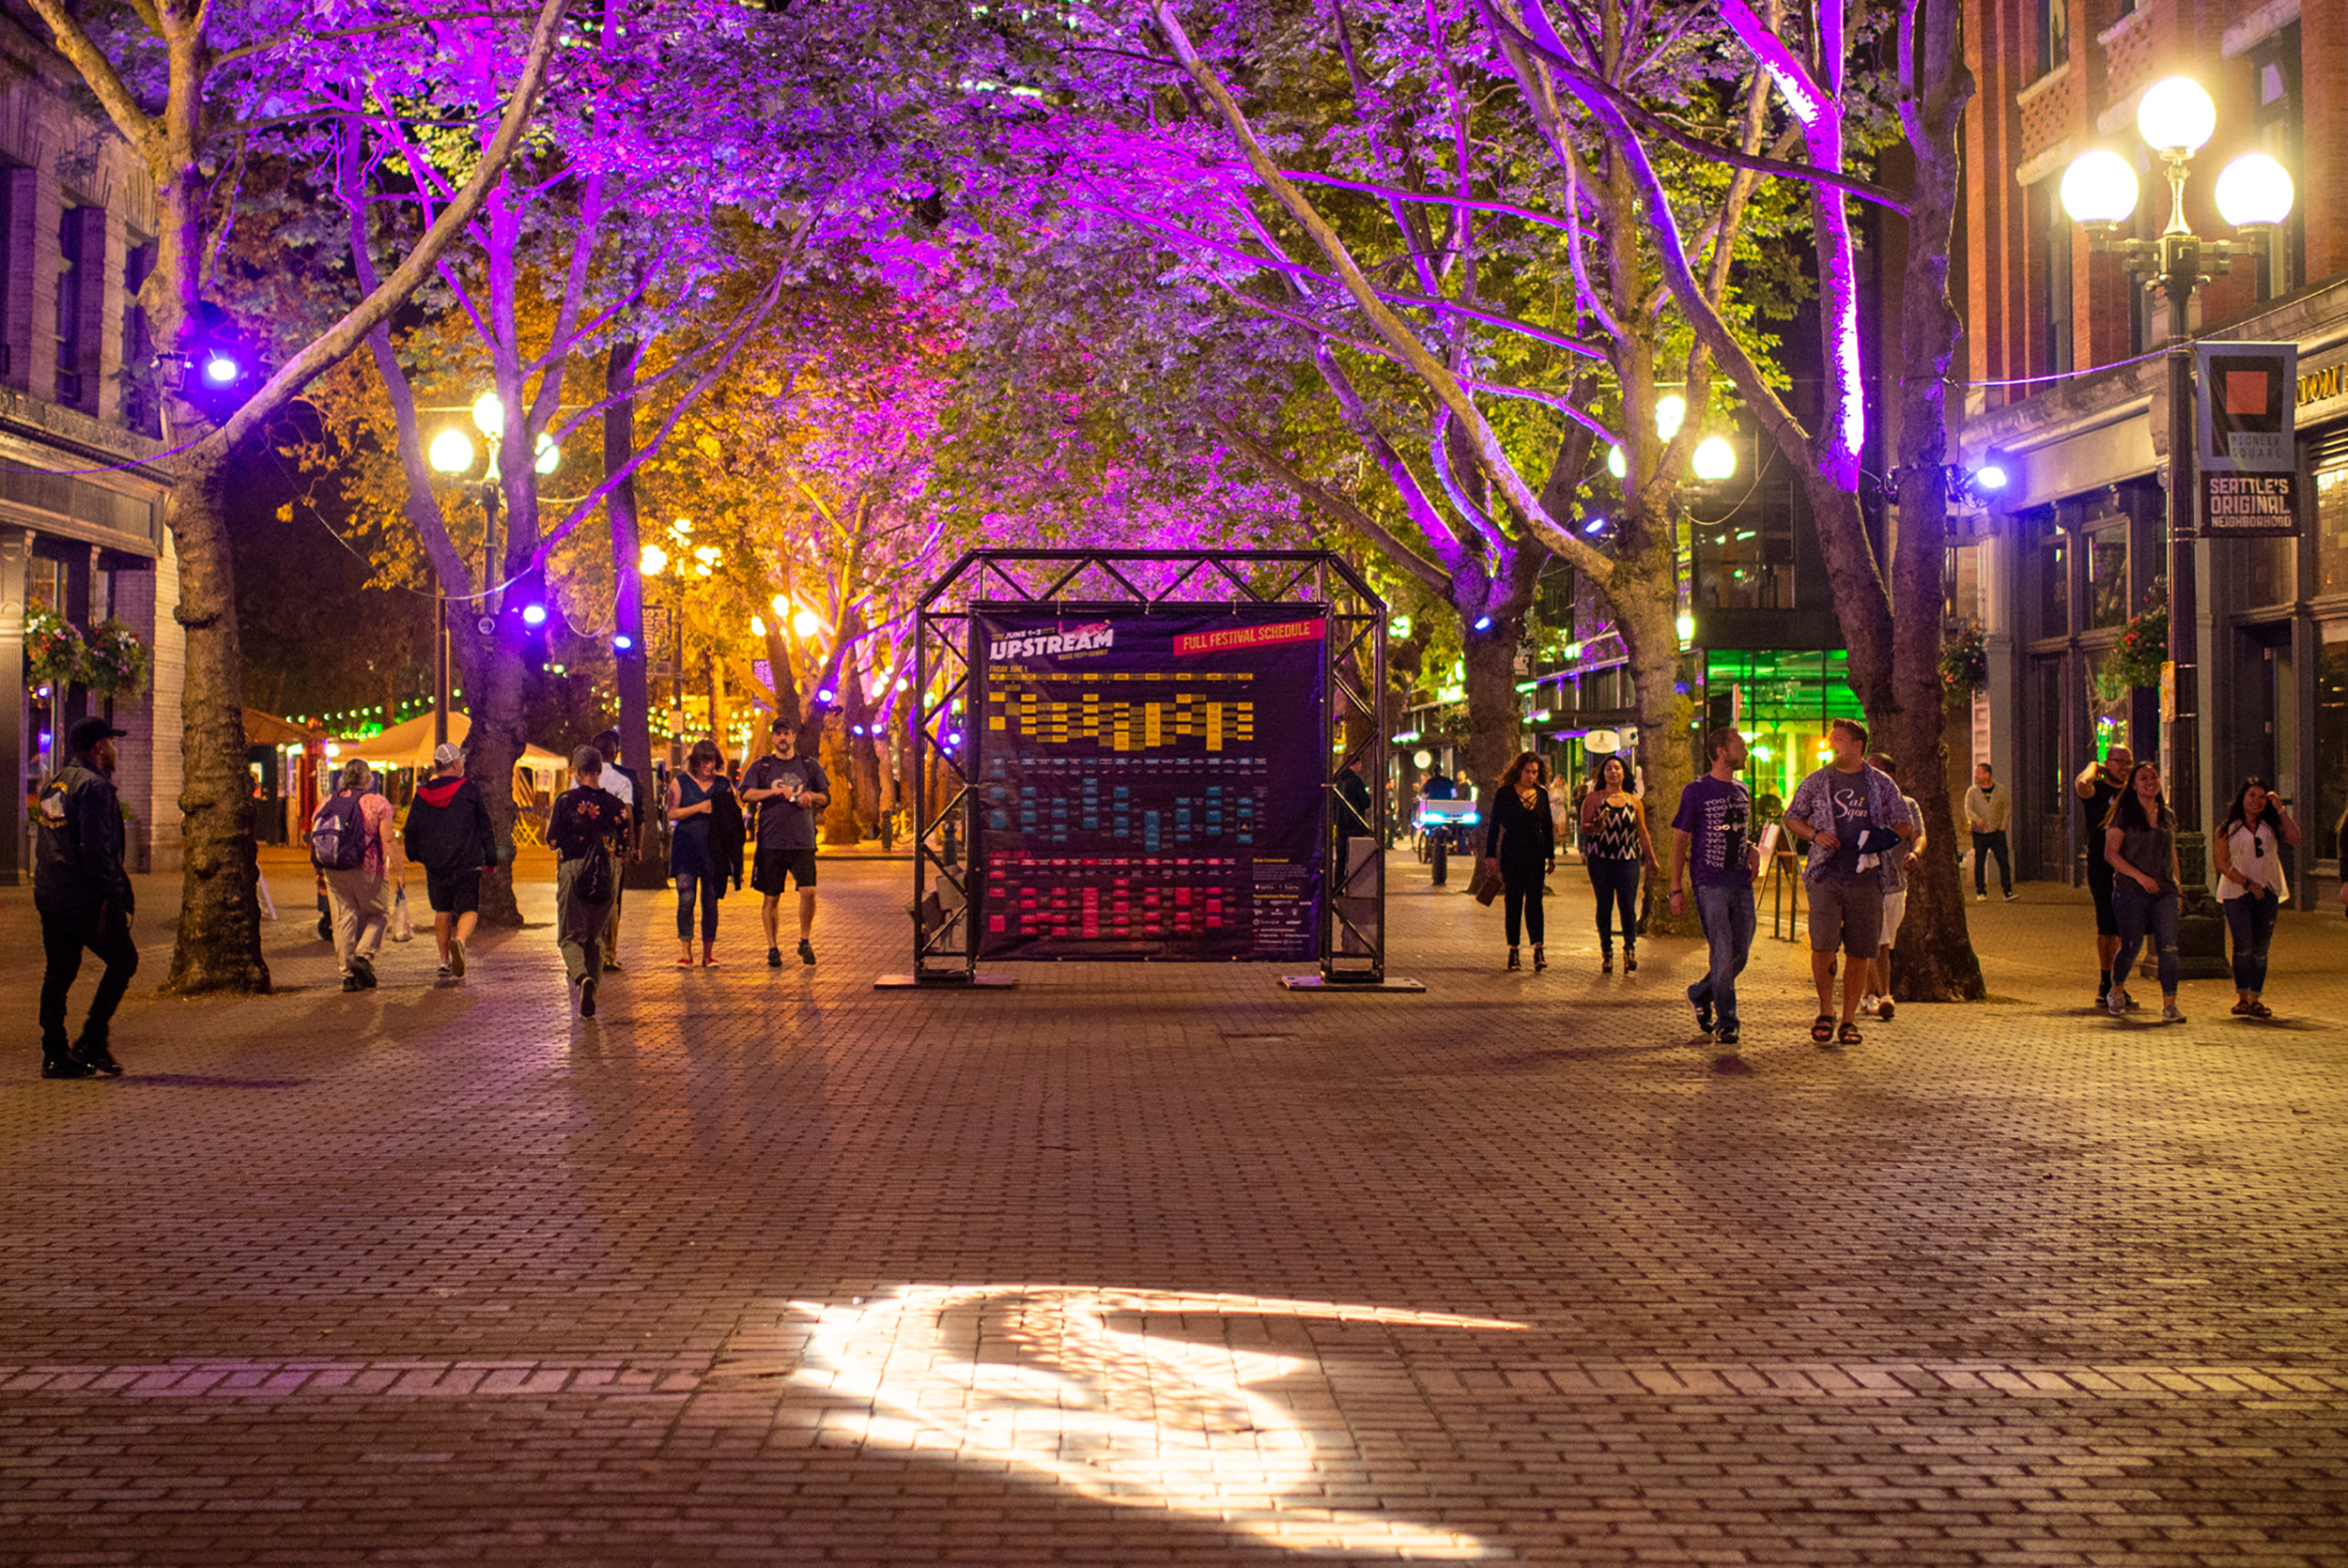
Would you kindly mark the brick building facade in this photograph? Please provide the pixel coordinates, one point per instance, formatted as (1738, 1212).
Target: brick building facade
(81, 529)
(2069, 393)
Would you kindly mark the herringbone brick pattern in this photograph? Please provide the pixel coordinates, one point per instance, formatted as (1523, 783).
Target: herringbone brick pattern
(1161, 1264)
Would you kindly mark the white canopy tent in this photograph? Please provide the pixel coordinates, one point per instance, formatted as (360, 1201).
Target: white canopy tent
(411, 746)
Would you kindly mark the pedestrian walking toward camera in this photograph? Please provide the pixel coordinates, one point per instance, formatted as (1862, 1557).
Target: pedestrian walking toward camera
(693, 797)
(2100, 785)
(1849, 814)
(2141, 846)
(786, 790)
(1989, 810)
(587, 827)
(1521, 844)
(1877, 1001)
(1615, 844)
(2251, 887)
(1712, 848)
(623, 786)
(82, 894)
(346, 843)
(448, 834)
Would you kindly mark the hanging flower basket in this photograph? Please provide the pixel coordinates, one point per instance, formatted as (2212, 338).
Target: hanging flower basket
(52, 650)
(1965, 662)
(114, 663)
(2143, 646)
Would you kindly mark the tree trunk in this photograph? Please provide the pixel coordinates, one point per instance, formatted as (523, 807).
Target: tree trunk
(840, 817)
(219, 946)
(864, 765)
(628, 662)
(493, 676)
(1935, 961)
(1648, 612)
(1496, 723)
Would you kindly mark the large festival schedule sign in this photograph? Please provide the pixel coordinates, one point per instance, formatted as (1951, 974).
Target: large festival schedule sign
(1150, 785)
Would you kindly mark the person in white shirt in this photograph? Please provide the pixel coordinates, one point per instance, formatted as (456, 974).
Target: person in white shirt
(2251, 886)
(1989, 810)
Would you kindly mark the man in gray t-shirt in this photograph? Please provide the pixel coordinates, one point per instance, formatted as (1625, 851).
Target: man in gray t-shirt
(787, 790)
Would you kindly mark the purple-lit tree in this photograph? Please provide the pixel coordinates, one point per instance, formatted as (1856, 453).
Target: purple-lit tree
(1806, 50)
(191, 87)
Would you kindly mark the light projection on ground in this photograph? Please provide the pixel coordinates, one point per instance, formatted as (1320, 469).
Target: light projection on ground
(1098, 1391)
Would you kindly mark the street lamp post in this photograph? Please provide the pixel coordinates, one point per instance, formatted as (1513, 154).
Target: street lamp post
(451, 453)
(2176, 120)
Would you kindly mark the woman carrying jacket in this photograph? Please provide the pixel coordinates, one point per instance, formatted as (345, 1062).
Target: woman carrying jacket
(1521, 843)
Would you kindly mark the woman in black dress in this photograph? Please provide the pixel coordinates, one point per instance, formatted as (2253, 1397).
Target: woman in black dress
(693, 797)
(1523, 842)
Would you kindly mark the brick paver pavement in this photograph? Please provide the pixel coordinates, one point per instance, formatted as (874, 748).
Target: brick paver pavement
(1161, 1264)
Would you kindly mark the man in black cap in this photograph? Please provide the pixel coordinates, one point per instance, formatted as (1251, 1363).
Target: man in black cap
(84, 896)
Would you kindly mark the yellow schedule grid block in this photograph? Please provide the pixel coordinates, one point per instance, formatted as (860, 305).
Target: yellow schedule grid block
(1034, 712)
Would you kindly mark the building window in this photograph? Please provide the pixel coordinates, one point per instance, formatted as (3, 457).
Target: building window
(2054, 586)
(2054, 34)
(2272, 567)
(2275, 128)
(2331, 530)
(142, 409)
(2108, 576)
(70, 307)
(2331, 739)
(1745, 559)
(2054, 296)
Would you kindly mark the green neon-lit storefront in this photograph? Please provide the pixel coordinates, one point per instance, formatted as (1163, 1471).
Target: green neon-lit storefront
(1784, 701)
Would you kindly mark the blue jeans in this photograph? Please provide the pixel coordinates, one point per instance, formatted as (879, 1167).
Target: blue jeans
(2140, 912)
(2251, 919)
(1616, 881)
(1726, 912)
(711, 889)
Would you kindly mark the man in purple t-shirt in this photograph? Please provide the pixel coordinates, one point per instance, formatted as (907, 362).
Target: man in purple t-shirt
(1712, 846)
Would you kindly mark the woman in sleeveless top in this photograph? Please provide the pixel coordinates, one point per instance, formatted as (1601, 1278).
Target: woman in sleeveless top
(692, 796)
(2251, 886)
(1615, 845)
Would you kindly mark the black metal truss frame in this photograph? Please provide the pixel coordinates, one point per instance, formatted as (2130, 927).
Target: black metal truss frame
(946, 732)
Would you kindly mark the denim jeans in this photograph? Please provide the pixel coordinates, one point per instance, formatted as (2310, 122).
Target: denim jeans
(1616, 881)
(2251, 919)
(1726, 912)
(2140, 912)
(710, 889)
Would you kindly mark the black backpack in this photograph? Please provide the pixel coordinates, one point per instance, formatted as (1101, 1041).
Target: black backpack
(338, 836)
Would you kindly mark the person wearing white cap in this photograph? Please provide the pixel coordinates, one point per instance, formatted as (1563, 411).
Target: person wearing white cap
(449, 835)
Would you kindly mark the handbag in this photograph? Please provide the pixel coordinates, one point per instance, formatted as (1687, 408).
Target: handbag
(1487, 884)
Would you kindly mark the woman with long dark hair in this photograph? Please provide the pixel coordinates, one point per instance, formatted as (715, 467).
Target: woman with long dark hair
(2141, 847)
(693, 797)
(2251, 886)
(1523, 842)
(1615, 845)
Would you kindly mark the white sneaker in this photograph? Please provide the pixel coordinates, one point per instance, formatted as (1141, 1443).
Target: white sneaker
(1867, 1005)
(2169, 1013)
(2117, 1003)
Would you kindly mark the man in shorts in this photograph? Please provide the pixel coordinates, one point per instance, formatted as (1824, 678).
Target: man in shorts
(2100, 784)
(788, 791)
(448, 834)
(1878, 1002)
(1848, 814)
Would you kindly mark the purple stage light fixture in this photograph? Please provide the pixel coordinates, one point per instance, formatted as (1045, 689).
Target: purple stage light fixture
(220, 369)
(533, 615)
(1484, 624)
(623, 642)
(1596, 525)
(826, 694)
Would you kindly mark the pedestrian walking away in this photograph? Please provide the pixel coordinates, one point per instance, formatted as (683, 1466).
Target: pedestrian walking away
(1712, 849)
(587, 827)
(1522, 843)
(1989, 811)
(1848, 813)
(2141, 846)
(1615, 844)
(786, 790)
(347, 844)
(448, 834)
(693, 801)
(2100, 785)
(1876, 1002)
(623, 786)
(2251, 884)
(82, 892)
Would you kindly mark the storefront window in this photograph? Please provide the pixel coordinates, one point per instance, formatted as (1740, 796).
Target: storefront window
(1787, 701)
(2108, 576)
(2331, 740)
(2273, 568)
(1745, 560)
(2331, 530)
(44, 583)
(2054, 586)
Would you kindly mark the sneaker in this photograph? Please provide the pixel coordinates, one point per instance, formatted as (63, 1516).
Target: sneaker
(774, 958)
(1886, 1009)
(807, 951)
(611, 966)
(1704, 1017)
(350, 982)
(2133, 1005)
(457, 959)
(1981, 898)
(443, 973)
(1867, 1004)
(2012, 898)
(2117, 1003)
(2169, 1013)
(587, 999)
(1728, 1035)
(363, 970)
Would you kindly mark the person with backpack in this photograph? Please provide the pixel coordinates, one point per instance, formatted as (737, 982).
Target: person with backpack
(82, 894)
(448, 834)
(622, 785)
(587, 827)
(346, 843)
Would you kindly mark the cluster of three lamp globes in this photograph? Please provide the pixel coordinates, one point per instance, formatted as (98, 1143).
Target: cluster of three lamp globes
(2176, 120)
(452, 448)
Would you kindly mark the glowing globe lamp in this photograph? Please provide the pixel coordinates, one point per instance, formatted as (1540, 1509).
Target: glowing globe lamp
(2099, 189)
(654, 562)
(623, 642)
(219, 369)
(1671, 412)
(1685, 627)
(2254, 193)
(451, 453)
(488, 415)
(1714, 459)
(533, 615)
(2176, 115)
(549, 455)
(1615, 464)
(807, 622)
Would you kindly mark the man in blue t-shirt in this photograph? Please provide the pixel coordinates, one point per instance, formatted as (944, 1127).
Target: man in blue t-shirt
(1712, 846)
